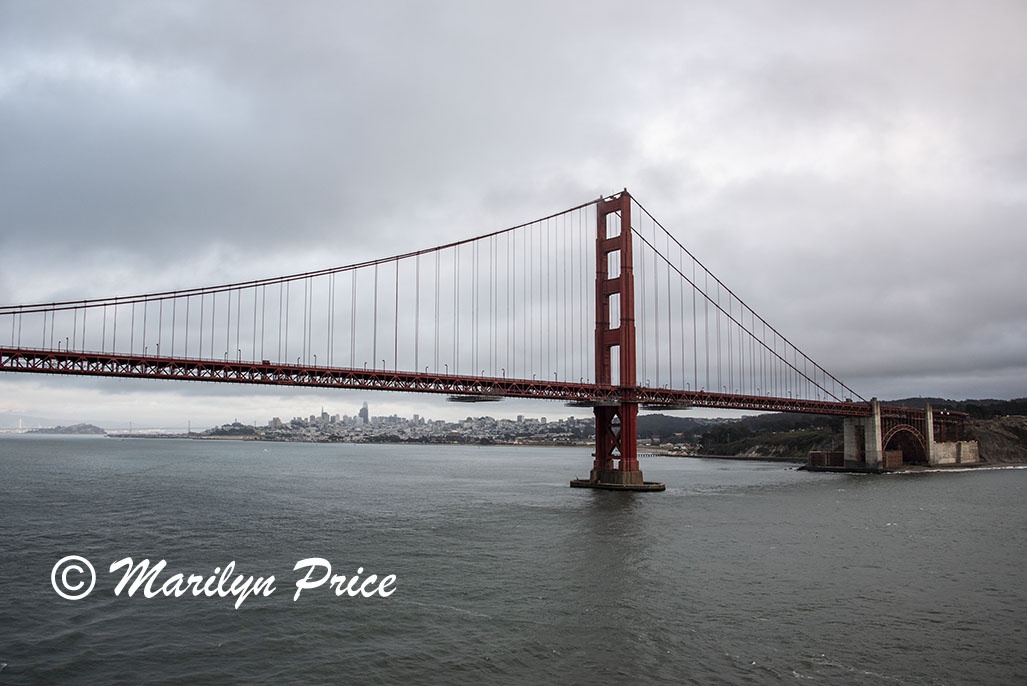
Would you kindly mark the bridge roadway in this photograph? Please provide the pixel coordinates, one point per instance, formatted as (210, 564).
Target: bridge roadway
(45, 361)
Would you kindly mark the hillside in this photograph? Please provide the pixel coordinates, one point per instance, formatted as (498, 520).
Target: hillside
(983, 408)
(1001, 440)
(1002, 434)
(76, 429)
(795, 443)
(774, 434)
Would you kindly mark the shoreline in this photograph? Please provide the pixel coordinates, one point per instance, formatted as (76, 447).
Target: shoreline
(920, 468)
(800, 461)
(497, 443)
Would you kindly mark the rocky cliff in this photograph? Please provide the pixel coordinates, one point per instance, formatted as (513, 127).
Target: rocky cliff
(1002, 439)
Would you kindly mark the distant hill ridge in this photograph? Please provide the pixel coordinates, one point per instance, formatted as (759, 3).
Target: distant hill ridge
(80, 429)
(983, 408)
(650, 425)
(999, 425)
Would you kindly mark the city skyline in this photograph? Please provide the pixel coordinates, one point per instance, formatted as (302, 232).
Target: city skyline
(448, 412)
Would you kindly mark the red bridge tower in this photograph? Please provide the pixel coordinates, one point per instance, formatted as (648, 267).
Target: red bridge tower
(616, 456)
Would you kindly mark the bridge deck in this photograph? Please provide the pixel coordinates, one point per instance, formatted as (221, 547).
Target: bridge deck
(41, 361)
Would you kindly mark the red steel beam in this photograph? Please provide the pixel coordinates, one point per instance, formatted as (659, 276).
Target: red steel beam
(226, 371)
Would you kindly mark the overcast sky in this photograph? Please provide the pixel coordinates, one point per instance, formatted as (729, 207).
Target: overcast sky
(857, 172)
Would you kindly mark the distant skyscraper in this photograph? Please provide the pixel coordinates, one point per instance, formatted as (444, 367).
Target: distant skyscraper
(364, 414)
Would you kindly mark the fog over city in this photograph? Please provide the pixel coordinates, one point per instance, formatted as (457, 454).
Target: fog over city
(857, 173)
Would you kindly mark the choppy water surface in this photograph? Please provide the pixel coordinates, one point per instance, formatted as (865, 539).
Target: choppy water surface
(740, 572)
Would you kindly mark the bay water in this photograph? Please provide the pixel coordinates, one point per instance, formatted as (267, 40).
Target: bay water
(740, 573)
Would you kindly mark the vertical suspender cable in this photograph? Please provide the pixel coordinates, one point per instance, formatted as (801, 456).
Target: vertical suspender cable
(645, 339)
(706, 325)
(174, 322)
(238, 323)
(571, 319)
(584, 284)
(543, 263)
(495, 308)
(374, 343)
(331, 321)
(474, 308)
(670, 322)
(417, 313)
(303, 323)
(253, 341)
(395, 326)
(526, 321)
(681, 302)
(456, 308)
(507, 326)
(695, 334)
(530, 283)
(213, 320)
(437, 267)
(160, 325)
(656, 305)
(717, 315)
(730, 347)
(353, 320)
(228, 323)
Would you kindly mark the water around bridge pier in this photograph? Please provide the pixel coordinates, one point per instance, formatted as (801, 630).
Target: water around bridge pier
(741, 572)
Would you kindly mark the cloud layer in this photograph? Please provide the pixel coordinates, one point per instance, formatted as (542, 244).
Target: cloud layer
(856, 173)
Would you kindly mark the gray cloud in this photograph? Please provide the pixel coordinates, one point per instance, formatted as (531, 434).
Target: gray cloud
(856, 173)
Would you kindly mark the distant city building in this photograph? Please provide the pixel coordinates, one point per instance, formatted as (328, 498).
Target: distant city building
(364, 428)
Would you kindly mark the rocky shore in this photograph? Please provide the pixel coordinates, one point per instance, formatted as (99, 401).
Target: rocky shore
(1002, 440)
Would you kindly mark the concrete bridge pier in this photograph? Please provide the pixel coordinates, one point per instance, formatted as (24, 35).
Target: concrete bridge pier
(862, 440)
(896, 437)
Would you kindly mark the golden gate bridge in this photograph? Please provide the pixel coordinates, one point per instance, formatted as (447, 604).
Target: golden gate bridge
(598, 305)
